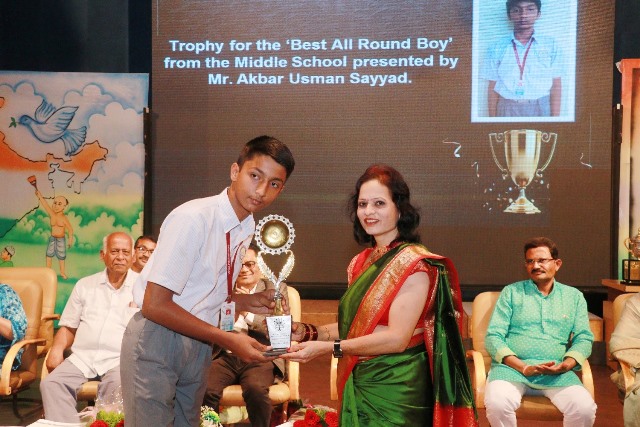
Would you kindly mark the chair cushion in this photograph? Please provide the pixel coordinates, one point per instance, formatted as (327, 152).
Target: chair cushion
(88, 391)
(232, 395)
(538, 408)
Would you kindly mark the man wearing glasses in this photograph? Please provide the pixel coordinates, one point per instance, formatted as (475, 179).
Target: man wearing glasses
(227, 369)
(144, 247)
(528, 339)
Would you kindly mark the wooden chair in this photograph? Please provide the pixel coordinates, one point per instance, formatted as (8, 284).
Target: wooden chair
(532, 407)
(13, 382)
(281, 392)
(47, 279)
(625, 368)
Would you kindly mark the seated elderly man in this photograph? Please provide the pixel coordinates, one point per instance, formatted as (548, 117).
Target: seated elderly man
(528, 340)
(625, 346)
(92, 324)
(227, 368)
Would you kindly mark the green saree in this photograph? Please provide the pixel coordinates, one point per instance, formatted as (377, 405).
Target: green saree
(427, 384)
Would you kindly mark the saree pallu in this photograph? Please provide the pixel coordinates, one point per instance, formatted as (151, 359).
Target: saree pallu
(427, 384)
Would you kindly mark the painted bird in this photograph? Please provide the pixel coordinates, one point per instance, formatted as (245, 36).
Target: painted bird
(50, 124)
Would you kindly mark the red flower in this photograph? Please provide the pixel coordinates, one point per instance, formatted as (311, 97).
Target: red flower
(331, 418)
(300, 423)
(121, 423)
(312, 418)
(99, 423)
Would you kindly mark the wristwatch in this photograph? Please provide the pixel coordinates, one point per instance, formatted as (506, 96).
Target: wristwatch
(337, 351)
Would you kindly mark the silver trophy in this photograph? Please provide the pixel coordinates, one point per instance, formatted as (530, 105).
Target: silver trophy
(631, 266)
(274, 236)
(522, 155)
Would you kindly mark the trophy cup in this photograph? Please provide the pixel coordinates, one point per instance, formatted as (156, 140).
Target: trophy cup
(522, 154)
(274, 236)
(630, 266)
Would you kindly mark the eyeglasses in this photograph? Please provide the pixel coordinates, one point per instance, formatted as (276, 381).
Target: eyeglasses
(142, 250)
(541, 261)
(249, 264)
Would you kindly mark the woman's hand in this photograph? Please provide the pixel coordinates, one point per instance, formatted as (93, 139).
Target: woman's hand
(306, 351)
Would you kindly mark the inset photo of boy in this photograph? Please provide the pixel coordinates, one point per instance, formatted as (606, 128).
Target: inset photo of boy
(524, 61)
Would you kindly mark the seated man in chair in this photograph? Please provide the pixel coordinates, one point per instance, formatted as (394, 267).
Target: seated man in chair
(227, 369)
(538, 334)
(92, 324)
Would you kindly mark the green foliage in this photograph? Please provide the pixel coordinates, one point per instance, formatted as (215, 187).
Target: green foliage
(111, 418)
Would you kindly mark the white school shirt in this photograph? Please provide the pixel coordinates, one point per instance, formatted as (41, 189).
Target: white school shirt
(191, 256)
(543, 64)
(100, 313)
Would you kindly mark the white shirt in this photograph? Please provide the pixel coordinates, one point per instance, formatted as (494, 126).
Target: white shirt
(191, 256)
(542, 65)
(100, 314)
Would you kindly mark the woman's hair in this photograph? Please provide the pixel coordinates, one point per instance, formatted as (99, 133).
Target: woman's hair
(393, 180)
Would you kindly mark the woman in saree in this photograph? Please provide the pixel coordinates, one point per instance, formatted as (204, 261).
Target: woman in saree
(402, 360)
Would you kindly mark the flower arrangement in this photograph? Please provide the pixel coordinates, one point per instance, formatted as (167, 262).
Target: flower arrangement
(318, 417)
(209, 417)
(108, 419)
(108, 411)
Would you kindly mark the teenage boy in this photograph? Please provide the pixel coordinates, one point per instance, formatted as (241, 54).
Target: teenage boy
(166, 350)
(524, 69)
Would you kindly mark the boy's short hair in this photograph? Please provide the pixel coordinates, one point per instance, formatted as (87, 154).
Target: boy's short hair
(268, 146)
(511, 3)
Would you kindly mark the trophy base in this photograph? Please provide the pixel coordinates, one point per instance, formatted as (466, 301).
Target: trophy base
(522, 205)
(631, 271)
(274, 352)
(279, 328)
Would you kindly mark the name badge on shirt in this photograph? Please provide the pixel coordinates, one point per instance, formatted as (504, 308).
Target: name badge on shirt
(520, 88)
(227, 316)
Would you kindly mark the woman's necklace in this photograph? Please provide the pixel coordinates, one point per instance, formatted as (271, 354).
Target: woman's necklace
(375, 255)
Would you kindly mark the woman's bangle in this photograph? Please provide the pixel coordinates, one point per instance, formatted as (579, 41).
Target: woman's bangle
(314, 332)
(307, 333)
(524, 370)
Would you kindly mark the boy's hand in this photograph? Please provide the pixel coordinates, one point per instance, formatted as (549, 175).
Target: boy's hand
(259, 303)
(246, 348)
(297, 331)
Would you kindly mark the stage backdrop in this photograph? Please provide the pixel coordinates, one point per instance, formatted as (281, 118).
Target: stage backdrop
(349, 83)
(77, 140)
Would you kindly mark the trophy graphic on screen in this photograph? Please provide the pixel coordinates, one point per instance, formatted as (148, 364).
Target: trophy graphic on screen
(522, 155)
(274, 236)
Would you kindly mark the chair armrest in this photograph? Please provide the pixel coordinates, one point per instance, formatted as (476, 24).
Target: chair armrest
(48, 317)
(293, 377)
(333, 378)
(5, 373)
(587, 378)
(478, 377)
(629, 377)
